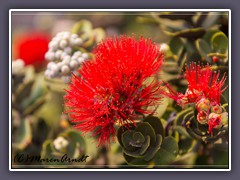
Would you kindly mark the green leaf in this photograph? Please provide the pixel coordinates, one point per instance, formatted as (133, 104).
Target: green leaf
(134, 154)
(220, 42)
(77, 140)
(126, 139)
(134, 161)
(51, 110)
(185, 145)
(23, 135)
(99, 34)
(219, 55)
(138, 137)
(225, 106)
(193, 57)
(167, 152)
(203, 47)
(82, 26)
(40, 130)
(153, 150)
(181, 130)
(156, 124)
(188, 33)
(208, 35)
(170, 67)
(145, 146)
(170, 145)
(176, 45)
(48, 153)
(161, 108)
(121, 130)
(23, 91)
(147, 130)
(35, 106)
(179, 118)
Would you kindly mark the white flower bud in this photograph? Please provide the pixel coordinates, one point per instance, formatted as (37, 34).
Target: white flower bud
(53, 45)
(49, 65)
(85, 56)
(66, 61)
(80, 60)
(74, 64)
(58, 54)
(60, 143)
(78, 42)
(77, 54)
(50, 56)
(74, 36)
(67, 57)
(66, 36)
(63, 55)
(65, 70)
(57, 39)
(72, 42)
(54, 68)
(74, 58)
(19, 62)
(17, 65)
(60, 34)
(164, 47)
(63, 44)
(51, 74)
(68, 50)
(60, 64)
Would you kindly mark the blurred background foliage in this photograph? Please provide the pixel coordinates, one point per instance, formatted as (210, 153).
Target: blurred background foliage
(40, 126)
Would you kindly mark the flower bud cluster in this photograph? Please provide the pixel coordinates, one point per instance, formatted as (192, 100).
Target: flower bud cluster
(211, 114)
(64, 55)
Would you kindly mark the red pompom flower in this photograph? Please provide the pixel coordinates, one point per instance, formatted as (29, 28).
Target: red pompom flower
(31, 47)
(202, 83)
(111, 88)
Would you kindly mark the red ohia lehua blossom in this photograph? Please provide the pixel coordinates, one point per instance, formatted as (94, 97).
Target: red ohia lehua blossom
(111, 88)
(204, 90)
(203, 82)
(31, 47)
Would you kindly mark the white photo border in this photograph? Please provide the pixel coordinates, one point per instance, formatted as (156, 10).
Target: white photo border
(114, 10)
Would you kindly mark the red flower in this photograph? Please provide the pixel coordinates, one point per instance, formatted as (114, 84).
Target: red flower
(111, 88)
(205, 81)
(214, 121)
(202, 83)
(31, 48)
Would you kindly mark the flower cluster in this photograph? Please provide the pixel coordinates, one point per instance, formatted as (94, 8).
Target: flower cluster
(64, 55)
(204, 91)
(111, 88)
(32, 47)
